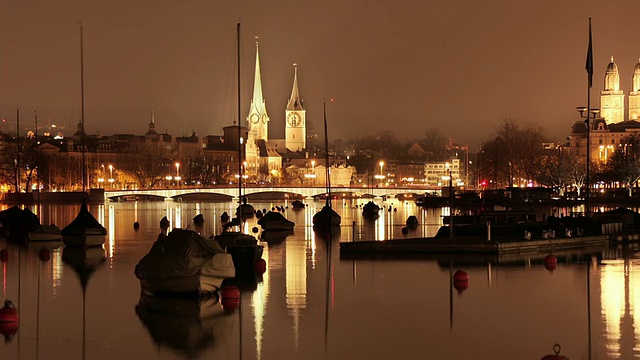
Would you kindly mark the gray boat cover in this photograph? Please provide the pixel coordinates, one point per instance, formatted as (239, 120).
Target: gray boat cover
(181, 253)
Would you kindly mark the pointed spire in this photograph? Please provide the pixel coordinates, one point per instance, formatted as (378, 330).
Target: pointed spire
(258, 103)
(152, 124)
(294, 101)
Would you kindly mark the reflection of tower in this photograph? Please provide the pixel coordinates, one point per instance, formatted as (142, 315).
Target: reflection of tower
(612, 98)
(620, 308)
(296, 282)
(258, 120)
(259, 299)
(295, 119)
(634, 94)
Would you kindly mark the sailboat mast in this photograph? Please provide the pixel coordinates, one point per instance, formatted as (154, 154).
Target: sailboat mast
(84, 169)
(18, 153)
(239, 122)
(35, 115)
(326, 150)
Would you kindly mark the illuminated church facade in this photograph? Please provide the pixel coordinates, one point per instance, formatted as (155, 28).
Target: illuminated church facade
(610, 131)
(263, 156)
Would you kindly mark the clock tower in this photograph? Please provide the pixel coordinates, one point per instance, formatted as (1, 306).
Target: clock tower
(296, 126)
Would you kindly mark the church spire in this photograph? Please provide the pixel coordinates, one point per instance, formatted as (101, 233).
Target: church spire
(258, 103)
(294, 101)
(612, 77)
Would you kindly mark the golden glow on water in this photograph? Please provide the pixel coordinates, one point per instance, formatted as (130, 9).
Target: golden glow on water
(56, 269)
(112, 231)
(259, 300)
(296, 282)
(620, 299)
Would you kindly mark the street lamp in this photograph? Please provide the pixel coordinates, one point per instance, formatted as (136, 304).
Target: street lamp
(588, 115)
(380, 177)
(111, 179)
(178, 178)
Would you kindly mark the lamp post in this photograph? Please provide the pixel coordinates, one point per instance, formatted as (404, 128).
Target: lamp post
(588, 115)
(178, 178)
(101, 177)
(111, 179)
(381, 176)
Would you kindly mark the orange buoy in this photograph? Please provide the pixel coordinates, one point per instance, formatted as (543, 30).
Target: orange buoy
(461, 276)
(4, 255)
(8, 313)
(44, 255)
(260, 266)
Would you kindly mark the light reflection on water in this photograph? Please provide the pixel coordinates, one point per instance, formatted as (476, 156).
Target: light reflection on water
(306, 308)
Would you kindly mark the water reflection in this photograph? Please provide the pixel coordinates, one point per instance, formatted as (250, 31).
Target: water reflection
(186, 326)
(312, 304)
(620, 304)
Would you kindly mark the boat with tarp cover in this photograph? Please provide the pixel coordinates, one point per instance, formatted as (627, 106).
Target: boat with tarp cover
(183, 263)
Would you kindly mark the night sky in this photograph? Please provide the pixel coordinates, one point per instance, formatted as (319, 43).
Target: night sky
(404, 66)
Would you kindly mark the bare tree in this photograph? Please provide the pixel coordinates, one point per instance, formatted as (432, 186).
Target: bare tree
(625, 163)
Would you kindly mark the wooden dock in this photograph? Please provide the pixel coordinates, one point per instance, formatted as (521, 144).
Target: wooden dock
(471, 245)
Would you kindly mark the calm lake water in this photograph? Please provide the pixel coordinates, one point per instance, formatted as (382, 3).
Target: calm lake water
(310, 306)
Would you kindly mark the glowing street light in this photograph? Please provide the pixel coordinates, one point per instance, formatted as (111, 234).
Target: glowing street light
(111, 179)
(178, 178)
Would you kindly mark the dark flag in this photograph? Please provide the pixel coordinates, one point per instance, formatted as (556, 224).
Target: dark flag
(589, 65)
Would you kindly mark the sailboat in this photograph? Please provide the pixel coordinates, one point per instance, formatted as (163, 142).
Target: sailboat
(84, 230)
(326, 217)
(244, 248)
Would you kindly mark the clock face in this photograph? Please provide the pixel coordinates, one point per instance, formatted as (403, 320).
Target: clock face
(294, 120)
(254, 118)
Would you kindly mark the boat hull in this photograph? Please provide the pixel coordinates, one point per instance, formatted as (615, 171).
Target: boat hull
(84, 240)
(207, 281)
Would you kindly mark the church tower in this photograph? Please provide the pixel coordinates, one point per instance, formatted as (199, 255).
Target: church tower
(634, 94)
(612, 98)
(258, 121)
(296, 126)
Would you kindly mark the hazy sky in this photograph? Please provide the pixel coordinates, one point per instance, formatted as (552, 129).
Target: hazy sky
(404, 66)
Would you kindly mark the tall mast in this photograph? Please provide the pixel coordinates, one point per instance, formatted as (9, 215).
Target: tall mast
(326, 150)
(239, 124)
(35, 115)
(18, 154)
(589, 68)
(84, 169)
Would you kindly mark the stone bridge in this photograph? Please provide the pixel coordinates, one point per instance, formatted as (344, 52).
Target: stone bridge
(230, 193)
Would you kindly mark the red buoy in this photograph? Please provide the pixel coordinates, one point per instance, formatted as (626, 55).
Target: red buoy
(8, 313)
(230, 292)
(44, 255)
(556, 355)
(461, 275)
(230, 297)
(4, 255)
(260, 266)
(230, 304)
(8, 329)
(461, 285)
(550, 262)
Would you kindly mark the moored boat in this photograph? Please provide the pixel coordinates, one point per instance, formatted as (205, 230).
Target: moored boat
(275, 221)
(297, 204)
(243, 248)
(45, 233)
(370, 211)
(325, 218)
(17, 223)
(84, 230)
(184, 263)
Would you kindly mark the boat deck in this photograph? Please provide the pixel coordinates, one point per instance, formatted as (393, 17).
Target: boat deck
(471, 245)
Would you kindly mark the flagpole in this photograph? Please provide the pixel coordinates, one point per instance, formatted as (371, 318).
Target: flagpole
(589, 68)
